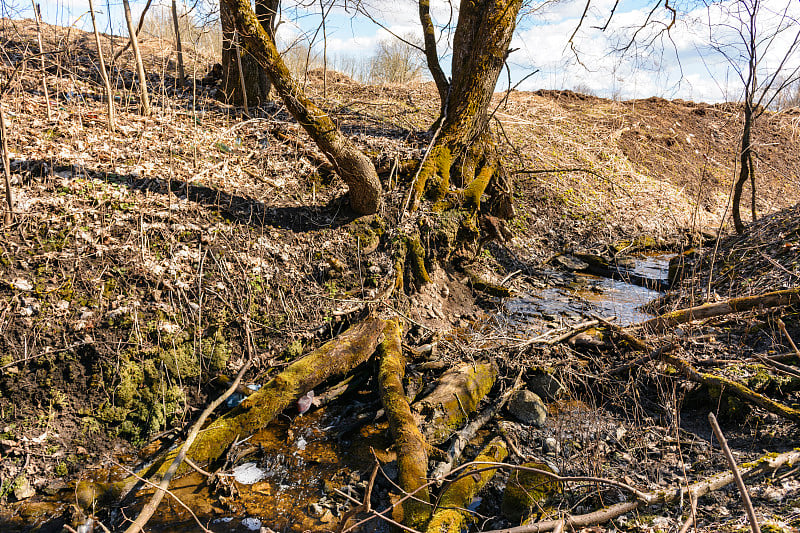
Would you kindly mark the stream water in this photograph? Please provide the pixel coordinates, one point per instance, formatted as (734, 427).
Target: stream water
(587, 294)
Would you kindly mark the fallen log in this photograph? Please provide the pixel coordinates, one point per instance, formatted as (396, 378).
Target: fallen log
(410, 445)
(332, 359)
(734, 305)
(732, 387)
(462, 438)
(450, 516)
(458, 394)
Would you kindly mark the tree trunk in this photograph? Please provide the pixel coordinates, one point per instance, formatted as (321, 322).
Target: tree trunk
(178, 44)
(267, 15)
(745, 167)
(38, 16)
(349, 162)
(480, 47)
(9, 211)
(103, 71)
(137, 55)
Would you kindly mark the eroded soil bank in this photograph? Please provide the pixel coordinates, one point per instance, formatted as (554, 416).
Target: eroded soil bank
(144, 262)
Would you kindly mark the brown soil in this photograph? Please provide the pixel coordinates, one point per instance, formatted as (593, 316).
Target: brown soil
(136, 255)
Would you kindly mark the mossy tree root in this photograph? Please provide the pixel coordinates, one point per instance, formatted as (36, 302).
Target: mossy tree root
(412, 457)
(449, 516)
(459, 392)
(333, 359)
(732, 387)
(407, 251)
(433, 176)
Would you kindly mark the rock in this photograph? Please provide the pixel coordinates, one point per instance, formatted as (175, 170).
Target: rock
(528, 408)
(551, 445)
(23, 489)
(546, 386)
(570, 262)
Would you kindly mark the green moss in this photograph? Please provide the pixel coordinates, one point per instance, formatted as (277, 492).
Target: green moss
(526, 490)
(61, 470)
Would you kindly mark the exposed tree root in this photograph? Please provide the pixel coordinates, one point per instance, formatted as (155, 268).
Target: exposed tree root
(766, 464)
(412, 457)
(450, 516)
(732, 387)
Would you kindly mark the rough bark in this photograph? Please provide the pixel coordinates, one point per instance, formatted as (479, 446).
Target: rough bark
(431, 55)
(232, 82)
(480, 48)
(412, 456)
(349, 162)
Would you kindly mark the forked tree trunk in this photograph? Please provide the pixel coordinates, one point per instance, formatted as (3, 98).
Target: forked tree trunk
(480, 48)
(349, 162)
(256, 82)
(137, 56)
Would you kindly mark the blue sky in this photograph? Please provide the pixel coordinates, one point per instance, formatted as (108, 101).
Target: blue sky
(679, 66)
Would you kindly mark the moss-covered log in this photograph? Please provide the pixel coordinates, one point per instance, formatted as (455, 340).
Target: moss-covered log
(412, 456)
(449, 517)
(332, 359)
(458, 394)
(734, 305)
(732, 387)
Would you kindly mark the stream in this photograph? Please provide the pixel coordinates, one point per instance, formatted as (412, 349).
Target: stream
(287, 473)
(586, 294)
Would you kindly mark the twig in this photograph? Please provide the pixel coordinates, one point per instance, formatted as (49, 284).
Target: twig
(737, 476)
(692, 518)
(158, 491)
(788, 337)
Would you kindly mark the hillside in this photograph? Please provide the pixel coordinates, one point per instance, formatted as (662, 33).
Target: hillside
(146, 265)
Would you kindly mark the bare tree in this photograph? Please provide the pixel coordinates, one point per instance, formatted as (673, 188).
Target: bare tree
(103, 72)
(38, 16)
(178, 45)
(137, 55)
(762, 46)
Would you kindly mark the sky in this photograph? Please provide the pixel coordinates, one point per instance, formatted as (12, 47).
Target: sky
(681, 64)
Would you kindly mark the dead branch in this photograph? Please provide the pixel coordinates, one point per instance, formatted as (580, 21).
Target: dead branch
(469, 431)
(723, 443)
(734, 305)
